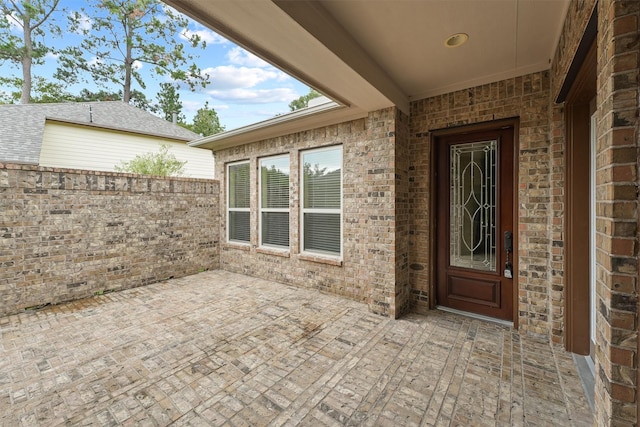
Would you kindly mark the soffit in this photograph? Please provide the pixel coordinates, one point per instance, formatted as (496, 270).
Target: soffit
(264, 29)
(507, 38)
(374, 54)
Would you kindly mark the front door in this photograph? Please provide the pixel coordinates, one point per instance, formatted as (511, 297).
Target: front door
(474, 222)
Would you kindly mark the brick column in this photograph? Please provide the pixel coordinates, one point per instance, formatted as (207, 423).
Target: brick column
(617, 213)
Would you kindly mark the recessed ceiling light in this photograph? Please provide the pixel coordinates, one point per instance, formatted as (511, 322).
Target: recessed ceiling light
(456, 40)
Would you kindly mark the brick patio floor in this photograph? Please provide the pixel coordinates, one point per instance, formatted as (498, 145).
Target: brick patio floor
(220, 348)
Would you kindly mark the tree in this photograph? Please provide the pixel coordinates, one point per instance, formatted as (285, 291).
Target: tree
(33, 18)
(206, 121)
(303, 101)
(44, 91)
(161, 163)
(169, 103)
(138, 99)
(86, 95)
(14, 96)
(125, 34)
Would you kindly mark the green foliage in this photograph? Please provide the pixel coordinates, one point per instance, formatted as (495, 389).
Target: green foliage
(138, 99)
(161, 163)
(102, 95)
(47, 92)
(44, 91)
(169, 103)
(127, 32)
(303, 101)
(206, 121)
(14, 96)
(34, 18)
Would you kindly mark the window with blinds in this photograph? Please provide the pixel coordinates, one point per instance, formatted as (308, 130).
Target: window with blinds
(274, 201)
(321, 202)
(238, 202)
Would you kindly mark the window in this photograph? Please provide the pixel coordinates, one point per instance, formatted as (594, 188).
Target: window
(274, 201)
(238, 203)
(321, 202)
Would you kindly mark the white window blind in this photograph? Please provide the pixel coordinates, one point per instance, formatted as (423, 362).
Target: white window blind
(322, 201)
(274, 201)
(238, 203)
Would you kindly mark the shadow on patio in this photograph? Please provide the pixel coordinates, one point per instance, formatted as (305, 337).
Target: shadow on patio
(218, 348)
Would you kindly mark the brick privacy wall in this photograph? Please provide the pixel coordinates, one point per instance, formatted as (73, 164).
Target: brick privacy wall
(526, 97)
(367, 272)
(68, 234)
(617, 213)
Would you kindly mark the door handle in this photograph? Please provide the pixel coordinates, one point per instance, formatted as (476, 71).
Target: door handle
(508, 247)
(508, 241)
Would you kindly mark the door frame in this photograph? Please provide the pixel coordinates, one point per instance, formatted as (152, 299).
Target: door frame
(513, 122)
(579, 107)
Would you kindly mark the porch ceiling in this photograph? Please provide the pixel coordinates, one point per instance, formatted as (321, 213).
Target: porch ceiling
(369, 55)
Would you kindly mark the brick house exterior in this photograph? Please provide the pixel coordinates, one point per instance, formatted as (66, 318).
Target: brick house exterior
(387, 259)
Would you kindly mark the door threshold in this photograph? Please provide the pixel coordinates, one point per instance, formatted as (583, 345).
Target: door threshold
(475, 316)
(586, 372)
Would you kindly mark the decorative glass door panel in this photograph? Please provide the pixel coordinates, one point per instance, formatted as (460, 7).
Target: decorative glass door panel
(474, 208)
(472, 219)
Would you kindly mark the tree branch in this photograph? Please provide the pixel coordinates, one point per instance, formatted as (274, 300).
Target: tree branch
(46, 16)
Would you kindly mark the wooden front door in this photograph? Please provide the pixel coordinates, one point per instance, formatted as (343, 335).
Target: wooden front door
(475, 267)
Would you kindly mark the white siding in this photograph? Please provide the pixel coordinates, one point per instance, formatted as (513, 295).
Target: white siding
(78, 147)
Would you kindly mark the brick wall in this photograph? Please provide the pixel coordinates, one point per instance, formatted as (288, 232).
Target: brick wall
(526, 97)
(67, 234)
(578, 15)
(617, 185)
(371, 249)
(403, 217)
(618, 127)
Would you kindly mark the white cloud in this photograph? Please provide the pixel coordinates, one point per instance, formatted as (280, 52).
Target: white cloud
(192, 106)
(239, 56)
(255, 96)
(84, 22)
(226, 77)
(51, 56)
(14, 22)
(205, 35)
(95, 61)
(137, 65)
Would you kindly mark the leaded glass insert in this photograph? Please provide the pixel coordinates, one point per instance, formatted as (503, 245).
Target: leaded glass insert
(473, 205)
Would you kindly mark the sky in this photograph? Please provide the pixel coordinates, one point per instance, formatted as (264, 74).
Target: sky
(243, 88)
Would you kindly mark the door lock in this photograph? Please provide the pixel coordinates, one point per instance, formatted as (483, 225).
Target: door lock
(508, 246)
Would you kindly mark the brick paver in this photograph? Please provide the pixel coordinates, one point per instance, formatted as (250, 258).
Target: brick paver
(220, 348)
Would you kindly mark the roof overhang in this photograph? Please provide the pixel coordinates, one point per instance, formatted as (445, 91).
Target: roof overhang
(338, 67)
(370, 55)
(324, 114)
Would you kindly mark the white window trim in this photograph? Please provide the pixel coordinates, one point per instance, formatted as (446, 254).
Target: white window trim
(313, 253)
(261, 209)
(230, 209)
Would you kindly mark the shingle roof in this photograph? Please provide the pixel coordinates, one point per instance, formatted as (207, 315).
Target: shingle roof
(22, 126)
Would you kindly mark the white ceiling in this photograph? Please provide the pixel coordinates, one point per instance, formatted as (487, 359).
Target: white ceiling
(371, 54)
(406, 38)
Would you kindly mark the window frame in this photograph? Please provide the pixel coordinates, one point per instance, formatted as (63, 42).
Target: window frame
(230, 209)
(281, 210)
(338, 211)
